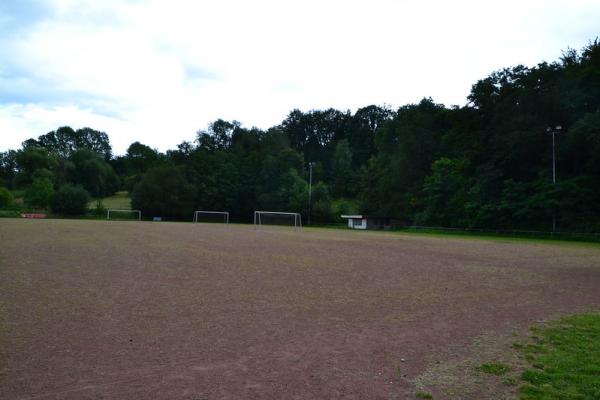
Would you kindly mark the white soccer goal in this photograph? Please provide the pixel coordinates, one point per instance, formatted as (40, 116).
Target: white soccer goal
(124, 214)
(211, 216)
(277, 218)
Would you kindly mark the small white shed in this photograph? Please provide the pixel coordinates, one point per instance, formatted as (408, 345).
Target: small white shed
(356, 221)
(367, 222)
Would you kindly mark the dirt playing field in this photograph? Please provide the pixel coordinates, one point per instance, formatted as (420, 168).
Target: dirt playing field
(141, 310)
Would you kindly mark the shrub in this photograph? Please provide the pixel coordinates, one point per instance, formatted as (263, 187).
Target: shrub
(99, 209)
(321, 210)
(164, 192)
(39, 193)
(42, 173)
(70, 200)
(344, 206)
(423, 395)
(6, 197)
(494, 368)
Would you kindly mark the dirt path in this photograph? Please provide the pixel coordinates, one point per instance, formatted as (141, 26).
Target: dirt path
(128, 310)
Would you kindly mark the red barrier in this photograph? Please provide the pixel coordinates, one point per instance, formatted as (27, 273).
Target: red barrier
(33, 215)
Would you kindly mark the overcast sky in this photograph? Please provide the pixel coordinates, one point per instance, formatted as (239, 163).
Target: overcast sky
(157, 71)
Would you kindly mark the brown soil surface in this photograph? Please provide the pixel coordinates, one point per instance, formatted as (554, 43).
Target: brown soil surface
(140, 310)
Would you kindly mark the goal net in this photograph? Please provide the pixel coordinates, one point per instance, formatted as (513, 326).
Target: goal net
(277, 218)
(124, 214)
(211, 216)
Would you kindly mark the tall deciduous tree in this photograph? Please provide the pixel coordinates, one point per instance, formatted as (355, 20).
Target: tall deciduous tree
(64, 141)
(93, 173)
(40, 193)
(342, 172)
(164, 192)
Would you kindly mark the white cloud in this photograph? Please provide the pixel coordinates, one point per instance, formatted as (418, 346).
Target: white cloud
(157, 71)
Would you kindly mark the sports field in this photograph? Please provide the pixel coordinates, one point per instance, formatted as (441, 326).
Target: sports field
(141, 310)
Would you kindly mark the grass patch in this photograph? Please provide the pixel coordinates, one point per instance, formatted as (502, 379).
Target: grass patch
(565, 360)
(510, 381)
(586, 240)
(494, 368)
(119, 200)
(423, 395)
(567, 241)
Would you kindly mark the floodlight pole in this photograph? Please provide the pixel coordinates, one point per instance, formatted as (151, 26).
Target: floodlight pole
(310, 165)
(553, 132)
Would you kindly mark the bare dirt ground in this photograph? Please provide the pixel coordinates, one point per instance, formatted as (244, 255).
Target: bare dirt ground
(140, 310)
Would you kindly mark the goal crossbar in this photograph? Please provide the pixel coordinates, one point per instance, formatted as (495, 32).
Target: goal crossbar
(139, 213)
(225, 214)
(297, 217)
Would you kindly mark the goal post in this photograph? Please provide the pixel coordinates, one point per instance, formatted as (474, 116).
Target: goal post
(215, 216)
(132, 214)
(277, 218)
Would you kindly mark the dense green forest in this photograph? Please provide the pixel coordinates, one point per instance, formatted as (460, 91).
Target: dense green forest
(487, 164)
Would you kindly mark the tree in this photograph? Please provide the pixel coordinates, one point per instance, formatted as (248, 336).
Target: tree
(70, 200)
(64, 141)
(281, 186)
(140, 158)
(95, 141)
(392, 181)
(8, 167)
(39, 194)
(182, 154)
(446, 193)
(93, 173)
(363, 128)
(342, 173)
(581, 148)
(292, 194)
(165, 192)
(322, 209)
(216, 180)
(6, 197)
(313, 133)
(218, 136)
(30, 159)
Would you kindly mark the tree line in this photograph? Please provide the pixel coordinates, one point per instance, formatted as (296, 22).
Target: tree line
(486, 164)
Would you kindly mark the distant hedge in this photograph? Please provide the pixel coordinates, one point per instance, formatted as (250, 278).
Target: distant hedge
(10, 214)
(70, 200)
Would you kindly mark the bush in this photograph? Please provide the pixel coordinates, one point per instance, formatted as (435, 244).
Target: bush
(70, 200)
(99, 209)
(10, 214)
(344, 206)
(39, 193)
(6, 197)
(42, 173)
(321, 210)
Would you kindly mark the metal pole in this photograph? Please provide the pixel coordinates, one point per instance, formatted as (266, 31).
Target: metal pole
(553, 159)
(553, 132)
(553, 179)
(310, 164)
